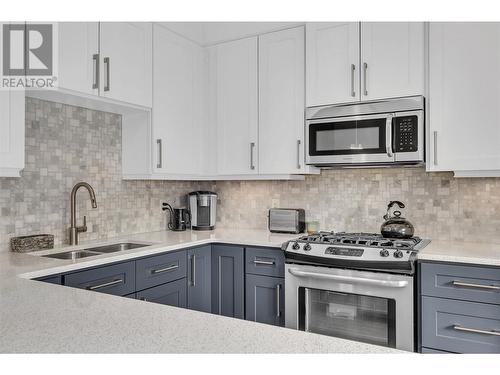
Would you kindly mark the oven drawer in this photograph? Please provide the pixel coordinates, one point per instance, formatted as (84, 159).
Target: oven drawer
(160, 269)
(469, 283)
(459, 326)
(265, 262)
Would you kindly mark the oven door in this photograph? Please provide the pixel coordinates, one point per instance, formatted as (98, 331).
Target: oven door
(371, 307)
(350, 140)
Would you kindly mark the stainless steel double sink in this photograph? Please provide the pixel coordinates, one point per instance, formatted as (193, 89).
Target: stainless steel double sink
(98, 250)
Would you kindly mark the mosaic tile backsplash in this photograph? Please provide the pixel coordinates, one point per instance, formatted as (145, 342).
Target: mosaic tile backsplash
(66, 144)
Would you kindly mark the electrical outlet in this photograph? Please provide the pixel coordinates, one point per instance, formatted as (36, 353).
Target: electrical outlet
(275, 203)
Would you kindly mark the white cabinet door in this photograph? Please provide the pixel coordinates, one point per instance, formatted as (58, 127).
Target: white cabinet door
(281, 102)
(464, 97)
(78, 56)
(12, 108)
(332, 62)
(236, 116)
(392, 59)
(126, 62)
(177, 103)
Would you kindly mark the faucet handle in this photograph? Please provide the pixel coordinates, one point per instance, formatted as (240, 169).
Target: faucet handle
(83, 228)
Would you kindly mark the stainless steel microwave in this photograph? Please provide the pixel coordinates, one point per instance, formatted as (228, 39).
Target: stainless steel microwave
(381, 132)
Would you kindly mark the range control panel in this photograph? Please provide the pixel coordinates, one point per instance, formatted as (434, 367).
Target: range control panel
(405, 133)
(344, 251)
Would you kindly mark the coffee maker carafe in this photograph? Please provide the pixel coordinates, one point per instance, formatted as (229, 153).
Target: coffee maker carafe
(180, 218)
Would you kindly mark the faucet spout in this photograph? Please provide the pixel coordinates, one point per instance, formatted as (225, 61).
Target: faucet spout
(74, 230)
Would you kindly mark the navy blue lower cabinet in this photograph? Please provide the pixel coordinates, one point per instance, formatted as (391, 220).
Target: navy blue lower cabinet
(172, 293)
(51, 279)
(265, 299)
(199, 284)
(117, 279)
(228, 281)
(433, 351)
(160, 269)
(460, 326)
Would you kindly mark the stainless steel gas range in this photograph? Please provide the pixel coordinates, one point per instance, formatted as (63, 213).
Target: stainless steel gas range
(357, 286)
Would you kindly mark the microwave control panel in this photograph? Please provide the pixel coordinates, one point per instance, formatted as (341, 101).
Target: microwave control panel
(405, 133)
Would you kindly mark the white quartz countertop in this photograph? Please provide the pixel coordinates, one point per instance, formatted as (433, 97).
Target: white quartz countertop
(46, 318)
(462, 252)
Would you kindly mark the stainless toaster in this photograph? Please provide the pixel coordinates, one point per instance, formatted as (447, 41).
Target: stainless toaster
(287, 220)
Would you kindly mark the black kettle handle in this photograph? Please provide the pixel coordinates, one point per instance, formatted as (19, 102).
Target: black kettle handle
(168, 207)
(392, 203)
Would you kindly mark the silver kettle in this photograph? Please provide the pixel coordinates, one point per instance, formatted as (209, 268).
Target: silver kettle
(396, 226)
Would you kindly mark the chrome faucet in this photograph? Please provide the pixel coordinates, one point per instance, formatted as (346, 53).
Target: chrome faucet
(74, 230)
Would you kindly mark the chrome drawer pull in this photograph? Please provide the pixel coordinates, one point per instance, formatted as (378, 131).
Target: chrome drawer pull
(114, 282)
(457, 327)
(265, 262)
(278, 307)
(479, 286)
(169, 268)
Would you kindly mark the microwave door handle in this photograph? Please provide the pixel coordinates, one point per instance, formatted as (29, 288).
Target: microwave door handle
(388, 135)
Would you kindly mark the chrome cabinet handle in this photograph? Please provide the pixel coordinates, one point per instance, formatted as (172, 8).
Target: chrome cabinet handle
(298, 153)
(278, 307)
(365, 72)
(95, 61)
(351, 279)
(114, 282)
(435, 147)
(479, 286)
(193, 270)
(252, 146)
(166, 269)
(353, 70)
(159, 162)
(388, 136)
(493, 332)
(106, 71)
(266, 262)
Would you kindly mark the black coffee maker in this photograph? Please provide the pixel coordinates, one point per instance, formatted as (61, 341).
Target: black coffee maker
(180, 218)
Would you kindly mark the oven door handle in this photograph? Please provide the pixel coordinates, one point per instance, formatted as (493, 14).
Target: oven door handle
(350, 279)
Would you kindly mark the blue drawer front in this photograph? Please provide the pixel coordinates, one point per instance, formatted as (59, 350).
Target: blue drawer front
(265, 261)
(173, 293)
(459, 326)
(160, 269)
(468, 283)
(117, 279)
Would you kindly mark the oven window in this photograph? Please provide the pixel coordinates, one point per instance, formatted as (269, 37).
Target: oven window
(350, 316)
(347, 137)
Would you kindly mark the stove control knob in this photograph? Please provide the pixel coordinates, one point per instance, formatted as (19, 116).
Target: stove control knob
(384, 253)
(398, 254)
(296, 246)
(307, 247)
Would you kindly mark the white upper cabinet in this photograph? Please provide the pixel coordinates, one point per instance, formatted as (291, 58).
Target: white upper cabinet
(12, 126)
(177, 103)
(332, 62)
(126, 62)
(392, 59)
(281, 102)
(234, 66)
(464, 97)
(78, 51)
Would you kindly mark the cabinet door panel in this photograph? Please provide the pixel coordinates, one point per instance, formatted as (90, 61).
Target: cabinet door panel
(173, 294)
(281, 102)
(265, 297)
(394, 56)
(78, 43)
(228, 281)
(236, 106)
(332, 62)
(200, 278)
(128, 48)
(464, 96)
(177, 101)
(12, 130)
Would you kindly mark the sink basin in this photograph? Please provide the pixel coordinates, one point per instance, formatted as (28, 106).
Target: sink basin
(98, 250)
(113, 248)
(77, 254)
